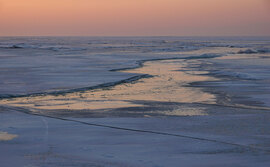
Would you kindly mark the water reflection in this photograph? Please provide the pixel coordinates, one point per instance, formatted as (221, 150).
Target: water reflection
(168, 84)
(4, 136)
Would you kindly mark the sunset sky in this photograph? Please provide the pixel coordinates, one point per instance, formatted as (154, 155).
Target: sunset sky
(135, 17)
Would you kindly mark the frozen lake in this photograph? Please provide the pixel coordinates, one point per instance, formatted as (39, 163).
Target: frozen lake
(134, 101)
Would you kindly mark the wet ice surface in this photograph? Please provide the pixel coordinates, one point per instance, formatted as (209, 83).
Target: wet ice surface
(202, 102)
(166, 85)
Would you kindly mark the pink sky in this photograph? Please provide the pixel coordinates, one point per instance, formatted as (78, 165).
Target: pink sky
(135, 17)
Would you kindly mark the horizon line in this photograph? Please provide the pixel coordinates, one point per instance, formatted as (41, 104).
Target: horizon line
(266, 36)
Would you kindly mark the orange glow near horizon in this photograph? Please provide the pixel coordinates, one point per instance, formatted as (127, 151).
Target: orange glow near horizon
(134, 17)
